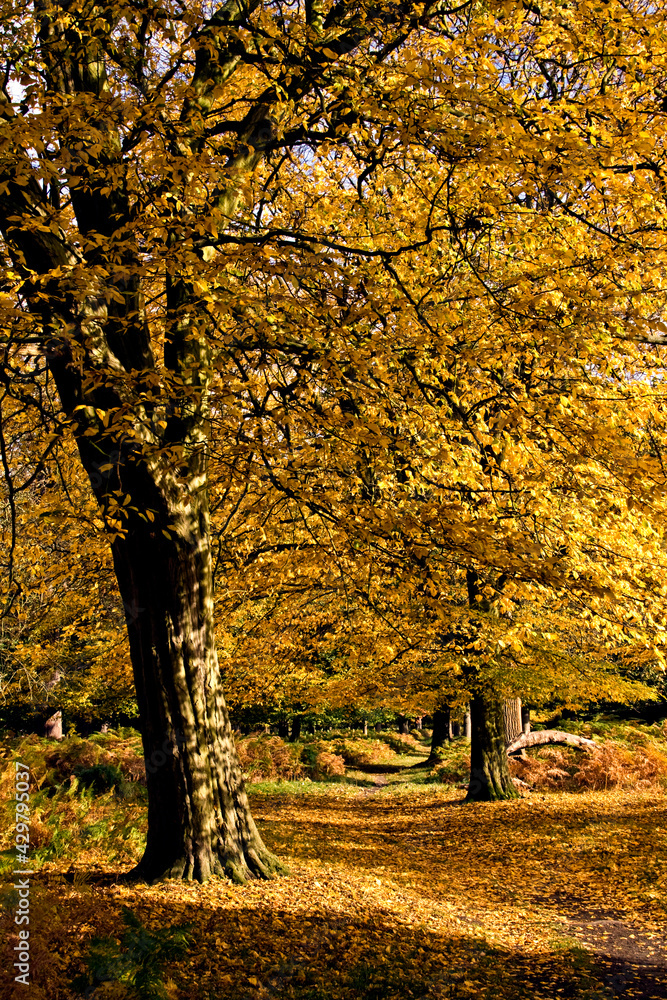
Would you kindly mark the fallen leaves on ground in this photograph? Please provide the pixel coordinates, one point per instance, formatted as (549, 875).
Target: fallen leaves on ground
(398, 892)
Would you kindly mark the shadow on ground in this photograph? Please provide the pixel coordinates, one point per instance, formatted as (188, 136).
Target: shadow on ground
(312, 952)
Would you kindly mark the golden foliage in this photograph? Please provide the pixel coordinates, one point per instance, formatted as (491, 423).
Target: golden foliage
(269, 757)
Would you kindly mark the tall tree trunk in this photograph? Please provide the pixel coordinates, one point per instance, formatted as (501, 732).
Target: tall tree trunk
(512, 718)
(489, 771)
(199, 821)
(142, 425)
(403, 725)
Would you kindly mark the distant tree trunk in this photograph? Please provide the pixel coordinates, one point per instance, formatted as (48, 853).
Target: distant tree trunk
(525, 720)
(512, 718)
(489, 771)
(489, 768)
(440, 734)
(378, 727)
(467, 726)
(403, 725)
(310, 727)
(365, 727)
(454, 729)
(296, 729)
(53, 727)
(283, 728)
(418, 723)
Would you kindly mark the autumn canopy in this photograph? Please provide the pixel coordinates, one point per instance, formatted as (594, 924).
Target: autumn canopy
(351, 315)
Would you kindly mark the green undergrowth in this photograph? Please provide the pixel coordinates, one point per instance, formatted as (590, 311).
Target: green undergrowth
(85, 794)
(633, 733)
(136, 962)
(396, 889)
(303, 787)
(322, 757)
(89, 794)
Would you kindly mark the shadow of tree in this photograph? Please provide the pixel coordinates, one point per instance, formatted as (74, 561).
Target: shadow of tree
(379, 768)
(318, 953)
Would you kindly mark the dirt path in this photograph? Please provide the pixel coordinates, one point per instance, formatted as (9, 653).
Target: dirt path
(379, 774)
(631, 962)
(636, 961)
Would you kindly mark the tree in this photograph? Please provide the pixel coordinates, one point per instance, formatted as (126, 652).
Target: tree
(356, 213)
(131, 141)
(492, 397)
(489, 771)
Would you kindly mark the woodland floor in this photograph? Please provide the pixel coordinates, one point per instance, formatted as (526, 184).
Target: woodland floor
(397, 889)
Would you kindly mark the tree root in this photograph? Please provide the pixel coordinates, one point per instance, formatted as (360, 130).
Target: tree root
(252, 863)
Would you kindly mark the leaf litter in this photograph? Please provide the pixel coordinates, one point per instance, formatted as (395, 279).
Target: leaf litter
(396, 889)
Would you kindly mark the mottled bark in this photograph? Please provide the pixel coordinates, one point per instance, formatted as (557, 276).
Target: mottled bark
(199, 821)
(512, 718)
(490, 778)
(142, 424)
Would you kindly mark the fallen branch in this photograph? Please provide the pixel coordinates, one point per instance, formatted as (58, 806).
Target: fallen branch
(525, 740)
